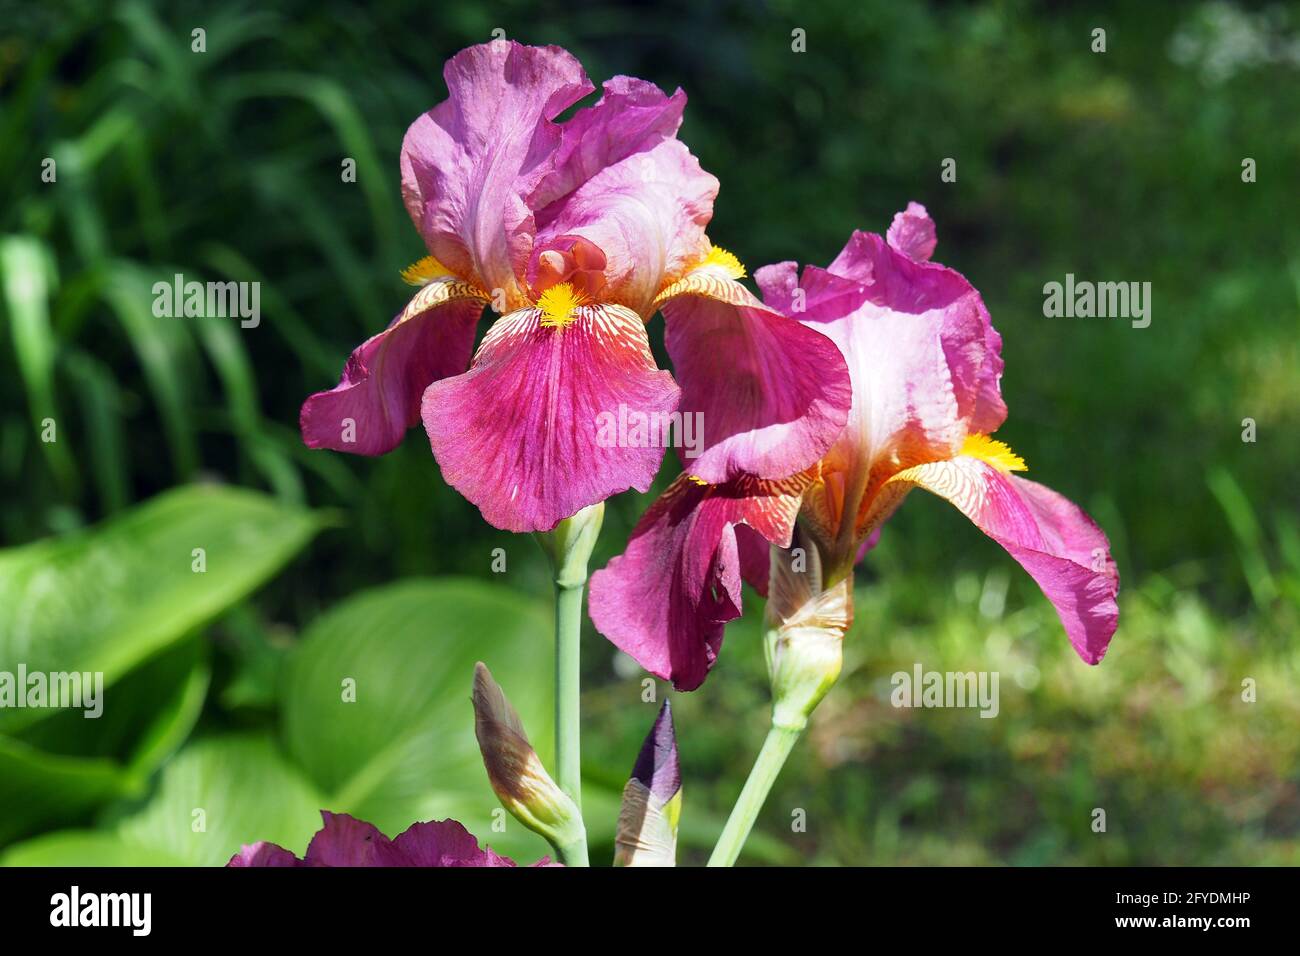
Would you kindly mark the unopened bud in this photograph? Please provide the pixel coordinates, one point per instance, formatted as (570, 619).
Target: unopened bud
(652, 801)
(518, 778)
(569, 544)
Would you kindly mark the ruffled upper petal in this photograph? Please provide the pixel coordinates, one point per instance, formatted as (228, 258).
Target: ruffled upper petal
(469, 163)
(772, 394)
(1052, 538)
(378, 397)
(912, 233)
(646, 211)
(545, 422)
(667, 598)
(921, 353)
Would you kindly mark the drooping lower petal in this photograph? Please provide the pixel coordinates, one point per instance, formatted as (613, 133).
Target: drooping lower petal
(552, 418)
(1053, 539)
(378, 397)
(772, 395)
(667, 598)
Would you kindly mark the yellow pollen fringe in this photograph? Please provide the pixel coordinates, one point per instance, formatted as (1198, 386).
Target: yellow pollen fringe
(996, 453)
(696, 479)
(557, 304)
(424, 271)
(725, 260)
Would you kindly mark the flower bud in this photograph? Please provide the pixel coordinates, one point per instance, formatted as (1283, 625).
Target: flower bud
(518, 778)
(804, 636)
(652, 801)
(569, 544)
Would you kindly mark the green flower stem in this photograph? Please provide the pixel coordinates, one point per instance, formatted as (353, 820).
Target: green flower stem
(776, 748)
(568, 739)
(569, 548)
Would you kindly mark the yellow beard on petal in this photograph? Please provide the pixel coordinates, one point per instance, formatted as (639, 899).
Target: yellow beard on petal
(725, 260)
(993, 452)
(557, 304)
(423, 271)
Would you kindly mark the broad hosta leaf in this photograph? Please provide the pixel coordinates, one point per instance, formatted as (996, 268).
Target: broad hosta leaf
(67, 765)
(216, 795)
(36, 787)
(106, 598)
(405, 749)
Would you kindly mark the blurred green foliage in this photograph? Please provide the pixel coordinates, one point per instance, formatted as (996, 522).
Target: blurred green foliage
(1122, 166)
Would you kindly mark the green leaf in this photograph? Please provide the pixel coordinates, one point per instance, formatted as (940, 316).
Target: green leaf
(24, 273)
(215, 796)
(106, 598)
(404, 750)
(37, 787)
(68, 765)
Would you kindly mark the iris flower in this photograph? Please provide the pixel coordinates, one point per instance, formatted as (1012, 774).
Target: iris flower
(347, 841)
(926, 365)
(577, 232)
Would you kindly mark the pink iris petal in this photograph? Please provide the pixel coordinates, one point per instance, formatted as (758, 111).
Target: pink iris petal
(622, 181)
(912, 233)
(772, 394)
(378, 397)
(755, 555)
(921, 352)
(646, 213)
(632, 116)
(264, 855)
(524, 433)
(468, 163)
(667, 598)
(1052, 538)
(444, 843)
(345, 841)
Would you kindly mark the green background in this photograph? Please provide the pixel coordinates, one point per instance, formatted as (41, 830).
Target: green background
(1117, 166)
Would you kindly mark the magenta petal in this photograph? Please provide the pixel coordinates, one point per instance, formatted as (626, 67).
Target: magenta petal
(667, 598)
(772, 394)
(444, 843)
(920, 349)
(632, 117)
(347, 841)
(912, 233)
(378, 397)
(1053, 539)
(264, 854)
(524, 434)
(755, 554)
(868, 543)
(468, 163)
(622, 181)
